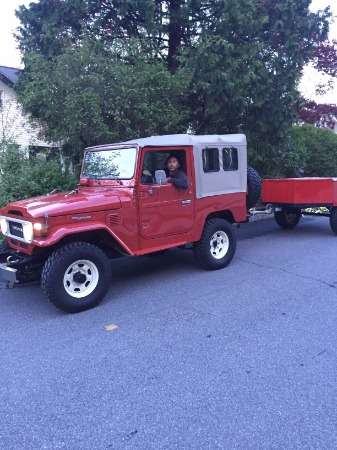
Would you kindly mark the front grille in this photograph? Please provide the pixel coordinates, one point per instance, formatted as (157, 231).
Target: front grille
(15, 229)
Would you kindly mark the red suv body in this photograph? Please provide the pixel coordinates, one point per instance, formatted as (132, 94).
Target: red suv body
(125, 205)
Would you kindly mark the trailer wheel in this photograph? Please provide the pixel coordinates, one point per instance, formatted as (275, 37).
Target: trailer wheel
(333, 219)
(217, 245)
(287, 218)
(254, 187)
(76, 277)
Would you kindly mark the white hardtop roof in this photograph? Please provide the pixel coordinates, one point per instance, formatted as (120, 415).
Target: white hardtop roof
(189, 139)
(170, 140)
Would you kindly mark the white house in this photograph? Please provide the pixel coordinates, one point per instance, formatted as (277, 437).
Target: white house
(14, 121)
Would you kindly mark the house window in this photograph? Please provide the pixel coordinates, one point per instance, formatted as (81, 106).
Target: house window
(230, 159)
(210, 160)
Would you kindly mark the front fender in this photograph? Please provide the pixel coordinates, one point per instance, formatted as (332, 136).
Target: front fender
(61, 232)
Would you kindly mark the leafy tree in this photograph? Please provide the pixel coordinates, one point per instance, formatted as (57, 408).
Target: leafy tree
(109, 70)
(88, 95)
(318, 149)
(247, 67)
(325, 58)
(319, 114)
(50, 25)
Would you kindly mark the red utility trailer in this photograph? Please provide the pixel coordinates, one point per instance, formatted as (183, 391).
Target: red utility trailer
(293, 197)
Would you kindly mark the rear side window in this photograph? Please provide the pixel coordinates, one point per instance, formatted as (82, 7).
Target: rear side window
(230, 158)
(210, 160)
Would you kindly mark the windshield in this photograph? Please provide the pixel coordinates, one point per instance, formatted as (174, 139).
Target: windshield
(110, 164)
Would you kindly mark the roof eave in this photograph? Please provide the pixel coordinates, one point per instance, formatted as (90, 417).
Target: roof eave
(6, 80)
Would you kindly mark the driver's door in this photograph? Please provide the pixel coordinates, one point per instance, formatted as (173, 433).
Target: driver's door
(164, 210)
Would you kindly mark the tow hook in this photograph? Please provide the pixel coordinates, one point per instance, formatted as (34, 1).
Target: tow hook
(11, 259)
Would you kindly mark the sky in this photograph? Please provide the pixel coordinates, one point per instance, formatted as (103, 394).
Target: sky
(10, 55)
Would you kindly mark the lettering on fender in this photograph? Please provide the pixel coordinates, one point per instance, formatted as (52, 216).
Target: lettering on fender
(81, 218)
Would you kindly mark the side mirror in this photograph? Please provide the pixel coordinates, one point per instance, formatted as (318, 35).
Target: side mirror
(160, 176)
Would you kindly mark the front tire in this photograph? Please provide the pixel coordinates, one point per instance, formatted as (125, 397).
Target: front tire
(76, 277)
(217, 245)
(287, 218)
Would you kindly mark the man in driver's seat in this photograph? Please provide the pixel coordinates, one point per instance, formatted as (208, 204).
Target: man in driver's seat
(175, 174)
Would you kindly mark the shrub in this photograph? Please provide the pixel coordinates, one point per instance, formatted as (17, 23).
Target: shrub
(21, 177)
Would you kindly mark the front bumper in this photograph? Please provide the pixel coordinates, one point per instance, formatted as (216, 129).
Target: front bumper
(7, 273)
(18, 268)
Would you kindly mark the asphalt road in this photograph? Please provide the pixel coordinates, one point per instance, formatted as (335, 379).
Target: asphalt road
(242, 358)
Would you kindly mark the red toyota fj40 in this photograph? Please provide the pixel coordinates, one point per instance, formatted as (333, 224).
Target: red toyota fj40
(124, 206)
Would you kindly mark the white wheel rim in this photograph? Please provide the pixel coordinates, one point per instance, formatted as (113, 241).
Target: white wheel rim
(81, 278)
(219, 244)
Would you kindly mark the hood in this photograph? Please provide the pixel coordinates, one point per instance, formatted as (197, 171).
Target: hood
(64, 203)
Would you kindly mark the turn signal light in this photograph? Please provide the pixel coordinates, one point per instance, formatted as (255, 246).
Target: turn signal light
(40, 230)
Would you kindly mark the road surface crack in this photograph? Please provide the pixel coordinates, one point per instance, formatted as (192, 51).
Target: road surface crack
(289, 273)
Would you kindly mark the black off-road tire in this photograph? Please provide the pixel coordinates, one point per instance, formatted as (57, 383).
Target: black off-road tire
(76, 277)
(254, 187)
(287, 218)
(333, 219)
(217, 245)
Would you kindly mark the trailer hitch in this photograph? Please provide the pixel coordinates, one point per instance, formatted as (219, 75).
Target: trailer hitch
(261, 211)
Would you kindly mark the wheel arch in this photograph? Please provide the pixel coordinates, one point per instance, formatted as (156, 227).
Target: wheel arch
(226, 214)
(100, 237)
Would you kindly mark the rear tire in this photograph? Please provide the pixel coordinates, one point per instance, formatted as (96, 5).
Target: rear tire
(287, 218)
(76, 277)
(217, 245)
(333, 219)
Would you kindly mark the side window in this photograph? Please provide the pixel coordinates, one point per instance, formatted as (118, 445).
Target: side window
(147, 176)
(210, 160)
(230, 158)
(156, 160)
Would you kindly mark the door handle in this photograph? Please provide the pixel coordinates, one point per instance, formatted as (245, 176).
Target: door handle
(151, 191)
(186, 202)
